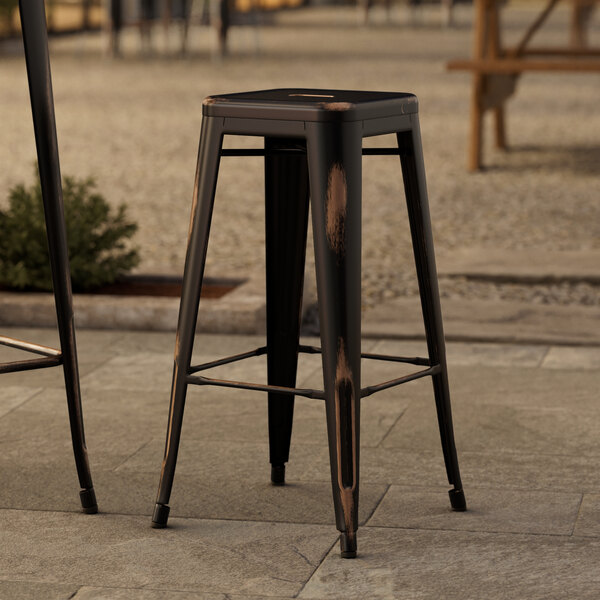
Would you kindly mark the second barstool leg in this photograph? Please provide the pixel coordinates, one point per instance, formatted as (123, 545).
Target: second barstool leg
(35, 37)
(413, 172)
(286, 221)
(204, 194)
(334, 159)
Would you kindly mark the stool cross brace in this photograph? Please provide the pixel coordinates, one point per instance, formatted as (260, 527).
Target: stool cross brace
(307, 393)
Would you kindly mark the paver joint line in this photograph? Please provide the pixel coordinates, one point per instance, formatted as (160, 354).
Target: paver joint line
(577, 516)
(478, 531)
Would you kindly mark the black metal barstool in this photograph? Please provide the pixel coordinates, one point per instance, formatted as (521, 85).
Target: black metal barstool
(313, 152)
(35, 37)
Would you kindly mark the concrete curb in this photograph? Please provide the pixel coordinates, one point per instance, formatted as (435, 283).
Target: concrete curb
(241, 311)
(524, 266)
(487, 321)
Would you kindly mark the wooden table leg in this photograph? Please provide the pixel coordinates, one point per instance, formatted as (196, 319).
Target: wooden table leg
(479, 50)
(494, 52)
(499, 127)
(476, 136)
(579, 23)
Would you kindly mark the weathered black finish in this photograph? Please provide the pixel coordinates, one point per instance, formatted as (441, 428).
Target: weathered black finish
(211, 138)
(314, 137)
(413, 172)
(286, 223)
(335, 163)
(33, 24)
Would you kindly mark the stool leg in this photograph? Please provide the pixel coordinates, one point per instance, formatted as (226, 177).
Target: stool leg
(204, 194)
(35, 37)
(286, 220)
(334, 159)
(413, 172)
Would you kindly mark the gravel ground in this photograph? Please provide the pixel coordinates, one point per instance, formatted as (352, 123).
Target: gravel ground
(133, 123)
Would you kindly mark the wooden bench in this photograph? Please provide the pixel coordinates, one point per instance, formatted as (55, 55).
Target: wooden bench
(497, 69)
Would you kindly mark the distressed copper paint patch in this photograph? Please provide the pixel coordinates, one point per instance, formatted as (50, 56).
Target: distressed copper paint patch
(312, 95)
(194, 209)
(409, 102)
(208, 101)
(170, 423)
(335, 210)
(344, 393)
(337, 105)
(177, 341)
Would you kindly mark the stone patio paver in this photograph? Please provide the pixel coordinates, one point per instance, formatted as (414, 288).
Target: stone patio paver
(489, 509)
(569, 357)
(527, 443)
(489, 320)
(501, 428)
(27, 590)
(456, 565)
(196, 555)
(106, 593)
(588, 522)
(14, 396)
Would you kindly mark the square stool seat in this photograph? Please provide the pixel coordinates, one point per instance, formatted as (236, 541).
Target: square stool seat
(310, 105)
(313, 156)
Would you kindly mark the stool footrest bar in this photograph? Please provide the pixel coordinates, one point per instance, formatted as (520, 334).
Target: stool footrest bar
(307, 393)
(288, 151)
(416, 360)
(228, 360)
(52, 357)
(28, 346)
(367, 391)
(30, 364)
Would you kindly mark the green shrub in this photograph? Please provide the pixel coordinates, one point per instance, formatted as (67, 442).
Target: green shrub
(97, 238)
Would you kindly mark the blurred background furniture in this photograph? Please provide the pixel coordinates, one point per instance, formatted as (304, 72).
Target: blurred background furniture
(217, 13)
(496, 69)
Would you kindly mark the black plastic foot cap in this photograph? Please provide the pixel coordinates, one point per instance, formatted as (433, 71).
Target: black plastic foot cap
(278, 474)
(160, 516)
(348, 545)
(88, 501)
(457, 500)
